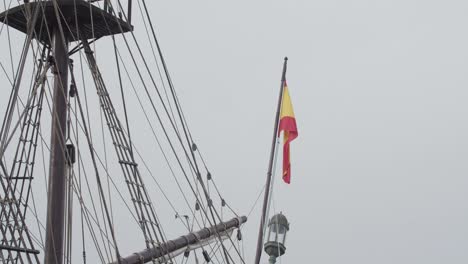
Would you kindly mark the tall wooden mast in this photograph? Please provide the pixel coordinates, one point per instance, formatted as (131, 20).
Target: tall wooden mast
(54, 242)
(67, 21)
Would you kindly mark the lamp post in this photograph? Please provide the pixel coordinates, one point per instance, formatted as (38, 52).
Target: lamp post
(275, 245)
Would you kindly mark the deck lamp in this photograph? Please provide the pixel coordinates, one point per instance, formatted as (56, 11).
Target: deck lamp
(275, 245)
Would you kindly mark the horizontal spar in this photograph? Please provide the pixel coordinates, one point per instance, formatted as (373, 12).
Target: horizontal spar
(182, 242)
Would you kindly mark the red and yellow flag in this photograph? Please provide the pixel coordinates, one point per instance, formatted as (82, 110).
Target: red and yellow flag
(288, 126)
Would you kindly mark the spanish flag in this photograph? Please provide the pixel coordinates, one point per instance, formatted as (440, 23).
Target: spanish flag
(288, 126)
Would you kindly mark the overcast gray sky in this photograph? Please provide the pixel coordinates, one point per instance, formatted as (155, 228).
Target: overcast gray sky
(379, 171)
(379, 90)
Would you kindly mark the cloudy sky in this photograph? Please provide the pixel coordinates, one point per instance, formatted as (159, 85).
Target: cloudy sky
(379, 171)
(379, 90)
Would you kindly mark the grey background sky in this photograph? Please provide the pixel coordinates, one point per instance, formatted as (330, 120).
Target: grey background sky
(379, 90)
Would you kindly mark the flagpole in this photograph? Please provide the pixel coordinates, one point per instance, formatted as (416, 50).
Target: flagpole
(270, 166)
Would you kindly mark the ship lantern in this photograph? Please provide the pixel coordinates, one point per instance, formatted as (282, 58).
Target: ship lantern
(275, 244)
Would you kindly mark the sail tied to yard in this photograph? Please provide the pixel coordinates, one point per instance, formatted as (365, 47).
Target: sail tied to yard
(97, 160)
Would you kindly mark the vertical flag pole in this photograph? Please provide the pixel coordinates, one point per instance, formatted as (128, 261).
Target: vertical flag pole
(270, 166)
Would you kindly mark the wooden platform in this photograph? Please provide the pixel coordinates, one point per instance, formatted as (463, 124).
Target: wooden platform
(78, 18)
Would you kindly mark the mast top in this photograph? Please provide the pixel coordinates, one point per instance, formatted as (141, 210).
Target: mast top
(80, 20)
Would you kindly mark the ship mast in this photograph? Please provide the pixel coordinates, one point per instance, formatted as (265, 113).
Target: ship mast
(57, 175)
(67, 21)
